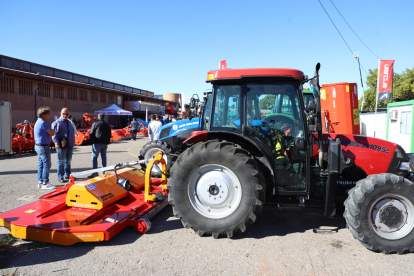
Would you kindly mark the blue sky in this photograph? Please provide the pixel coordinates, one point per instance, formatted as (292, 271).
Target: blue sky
(169, 46)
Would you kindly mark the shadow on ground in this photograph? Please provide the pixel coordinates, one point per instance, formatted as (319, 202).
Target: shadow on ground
(268, 223)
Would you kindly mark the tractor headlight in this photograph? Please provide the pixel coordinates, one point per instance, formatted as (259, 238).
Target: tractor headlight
(404, 166)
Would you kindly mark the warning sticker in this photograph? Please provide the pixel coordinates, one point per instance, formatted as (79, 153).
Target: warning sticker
(356, 116)
(323, 94)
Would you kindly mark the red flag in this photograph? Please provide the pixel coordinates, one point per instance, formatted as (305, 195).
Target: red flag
(385, 74)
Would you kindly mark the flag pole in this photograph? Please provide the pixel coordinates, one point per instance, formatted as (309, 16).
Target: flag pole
(376, 98)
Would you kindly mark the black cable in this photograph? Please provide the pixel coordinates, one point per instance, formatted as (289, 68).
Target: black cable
(353, 30)
(335, 26)
(340, 33)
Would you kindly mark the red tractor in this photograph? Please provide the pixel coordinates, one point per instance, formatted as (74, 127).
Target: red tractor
(259, 144)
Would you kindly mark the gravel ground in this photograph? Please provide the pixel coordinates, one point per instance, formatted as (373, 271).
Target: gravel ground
(277, 244)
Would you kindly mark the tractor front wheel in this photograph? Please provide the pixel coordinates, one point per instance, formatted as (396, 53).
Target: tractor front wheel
(379, 213)
(216, 188)
(148, 152)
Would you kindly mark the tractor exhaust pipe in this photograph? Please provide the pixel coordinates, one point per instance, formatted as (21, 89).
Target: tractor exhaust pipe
(318, 112)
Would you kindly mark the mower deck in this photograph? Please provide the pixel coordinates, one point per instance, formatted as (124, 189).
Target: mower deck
(89, 211)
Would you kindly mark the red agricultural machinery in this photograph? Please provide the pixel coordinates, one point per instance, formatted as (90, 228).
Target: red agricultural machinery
(242, 160)
(23, 138)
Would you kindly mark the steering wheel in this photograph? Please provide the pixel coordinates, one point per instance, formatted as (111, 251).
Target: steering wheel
(230, 121)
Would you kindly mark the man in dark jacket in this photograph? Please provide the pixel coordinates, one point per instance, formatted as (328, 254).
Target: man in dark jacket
(100, 138)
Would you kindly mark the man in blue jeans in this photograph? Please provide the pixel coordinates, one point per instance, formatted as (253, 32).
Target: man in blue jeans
(100, 138)
(64, 140)
(42, 134)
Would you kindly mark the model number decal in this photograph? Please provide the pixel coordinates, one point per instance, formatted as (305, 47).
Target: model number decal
(375, 147)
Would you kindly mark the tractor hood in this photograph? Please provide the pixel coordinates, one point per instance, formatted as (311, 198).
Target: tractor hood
(173, 128)
(373, 155)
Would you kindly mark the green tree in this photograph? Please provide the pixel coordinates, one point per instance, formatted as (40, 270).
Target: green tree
(267, 102)
(403, 88)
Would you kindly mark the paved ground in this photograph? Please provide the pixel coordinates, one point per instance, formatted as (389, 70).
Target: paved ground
(277, 244)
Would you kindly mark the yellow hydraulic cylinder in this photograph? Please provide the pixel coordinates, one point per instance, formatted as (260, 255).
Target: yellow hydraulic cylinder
(158, 158)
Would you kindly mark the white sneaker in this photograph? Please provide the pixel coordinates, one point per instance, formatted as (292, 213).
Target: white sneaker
(39, 184)
(48, 186)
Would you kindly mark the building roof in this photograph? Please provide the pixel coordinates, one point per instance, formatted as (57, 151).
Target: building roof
(26, 69)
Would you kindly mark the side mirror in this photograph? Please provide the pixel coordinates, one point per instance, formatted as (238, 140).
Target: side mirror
(300, 143)
(312, 106)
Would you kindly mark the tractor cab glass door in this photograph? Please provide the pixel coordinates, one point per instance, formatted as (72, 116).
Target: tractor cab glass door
(206, 115)
(274, 112)
(227, 108)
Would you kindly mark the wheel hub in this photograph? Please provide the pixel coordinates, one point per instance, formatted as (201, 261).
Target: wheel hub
(392, 217)
(213, 188)
(214, 191)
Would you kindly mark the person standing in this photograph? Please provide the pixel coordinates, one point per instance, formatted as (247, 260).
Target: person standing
(100, 138)
(154, 128)
(134, 129)
(42, 135)
(75, 130)
(64, 140)
(166, 120)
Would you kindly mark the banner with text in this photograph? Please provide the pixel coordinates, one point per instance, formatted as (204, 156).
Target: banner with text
(385, 74)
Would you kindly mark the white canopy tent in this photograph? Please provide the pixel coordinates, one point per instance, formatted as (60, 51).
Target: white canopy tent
(114, 110)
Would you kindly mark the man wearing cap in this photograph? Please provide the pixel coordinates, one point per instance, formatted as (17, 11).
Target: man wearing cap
(100, 138)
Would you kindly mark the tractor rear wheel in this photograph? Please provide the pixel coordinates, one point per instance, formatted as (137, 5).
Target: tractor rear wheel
(379, 213)
(216, 188)
(148, 152)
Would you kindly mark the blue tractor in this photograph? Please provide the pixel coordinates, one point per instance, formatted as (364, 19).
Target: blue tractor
(173, 135)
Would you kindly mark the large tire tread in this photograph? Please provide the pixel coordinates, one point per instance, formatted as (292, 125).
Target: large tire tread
(243, 158)
(354, 216)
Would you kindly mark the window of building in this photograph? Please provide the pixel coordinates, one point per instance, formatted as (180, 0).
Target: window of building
(102, 97)
(136, 91)
(111, 99)
(25, 88)
(72, 94)
(151, 94)
(44, 90)
(42, 70)
(108, 84)
(58, 92)
(63, 75)
(94, 96)
(128, 89)
(119, 87)
(80, 78)
(95, 82)
(405, 127)
(20, 65)
(83, 95)
(6, 62)
(7, 85)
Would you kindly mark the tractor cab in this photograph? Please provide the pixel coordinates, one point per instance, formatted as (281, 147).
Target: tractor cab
(264, 112)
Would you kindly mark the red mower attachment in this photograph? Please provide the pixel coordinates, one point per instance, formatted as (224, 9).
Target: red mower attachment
(93, 210)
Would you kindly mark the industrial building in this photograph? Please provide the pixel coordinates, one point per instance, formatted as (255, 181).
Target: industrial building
(28, 85)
